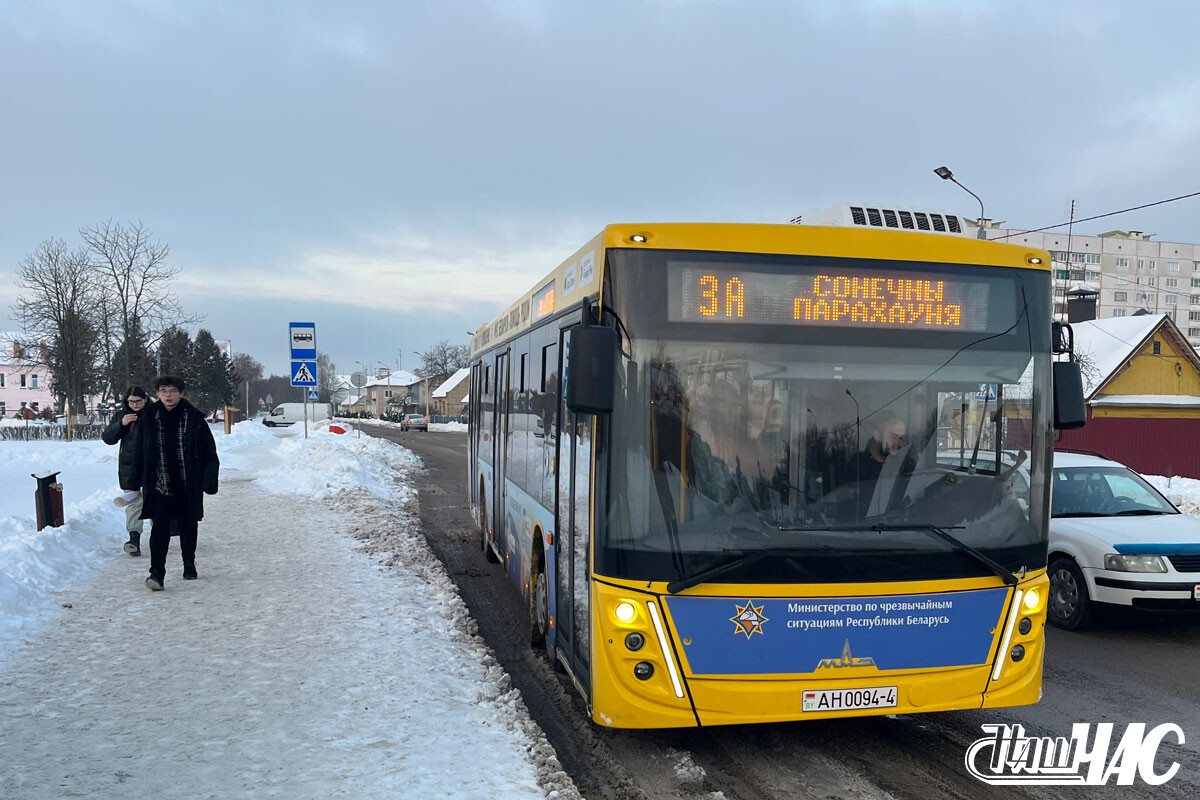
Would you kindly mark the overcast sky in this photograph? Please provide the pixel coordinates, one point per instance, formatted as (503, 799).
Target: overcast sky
(397, 172)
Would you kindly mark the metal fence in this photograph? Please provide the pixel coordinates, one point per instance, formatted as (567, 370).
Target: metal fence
(36, 430)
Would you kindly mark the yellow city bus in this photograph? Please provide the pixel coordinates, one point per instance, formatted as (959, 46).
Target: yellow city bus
(753, 473)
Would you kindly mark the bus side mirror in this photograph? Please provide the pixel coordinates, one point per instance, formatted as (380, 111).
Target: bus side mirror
(1069, 409)
(591, 369)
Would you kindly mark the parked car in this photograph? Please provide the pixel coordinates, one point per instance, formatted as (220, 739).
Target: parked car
(414, 422)
(290, 413)
(1115, 539)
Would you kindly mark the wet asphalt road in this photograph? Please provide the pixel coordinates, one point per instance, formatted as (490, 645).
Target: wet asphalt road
(1129, 667)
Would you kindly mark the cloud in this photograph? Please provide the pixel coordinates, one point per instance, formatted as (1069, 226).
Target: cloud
(402, 271)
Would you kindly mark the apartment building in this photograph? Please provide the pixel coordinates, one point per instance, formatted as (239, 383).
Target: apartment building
(1130, 270)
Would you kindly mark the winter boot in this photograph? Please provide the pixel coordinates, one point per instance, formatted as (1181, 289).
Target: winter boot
(189, 571)
(134, 545)
(154, 581)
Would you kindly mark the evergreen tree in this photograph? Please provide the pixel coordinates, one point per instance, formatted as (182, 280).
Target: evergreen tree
(174, 354)
(212, 374)
(132, 364)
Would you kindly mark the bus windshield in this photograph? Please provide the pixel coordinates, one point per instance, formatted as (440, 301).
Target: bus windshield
(835, 450)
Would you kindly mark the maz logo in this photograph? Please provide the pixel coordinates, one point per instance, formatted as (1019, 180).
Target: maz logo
(847, 660)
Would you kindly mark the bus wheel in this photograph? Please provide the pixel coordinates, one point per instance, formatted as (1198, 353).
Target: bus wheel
(488, 553)
(540, 617)
(1069, 606)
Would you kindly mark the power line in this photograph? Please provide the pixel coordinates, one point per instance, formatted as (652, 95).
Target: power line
(1101, 216)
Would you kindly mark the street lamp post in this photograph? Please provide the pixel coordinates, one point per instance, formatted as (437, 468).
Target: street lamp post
(427, 388)
(364, 390)
(945, 174)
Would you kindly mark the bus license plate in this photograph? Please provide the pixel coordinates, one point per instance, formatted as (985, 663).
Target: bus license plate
(845, 699)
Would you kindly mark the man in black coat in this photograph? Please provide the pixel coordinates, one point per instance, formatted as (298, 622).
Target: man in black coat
(123, 428)
(176, 466)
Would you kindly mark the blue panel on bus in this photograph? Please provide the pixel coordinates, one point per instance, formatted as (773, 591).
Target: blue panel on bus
(756, 636)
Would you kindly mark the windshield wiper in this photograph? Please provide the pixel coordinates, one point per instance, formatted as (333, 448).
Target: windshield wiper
(742, 559)
(1140, 512)
(1071, 514)
(932, 530)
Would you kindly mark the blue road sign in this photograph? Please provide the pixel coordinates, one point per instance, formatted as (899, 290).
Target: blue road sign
(302, 337)
(312, 394)
(987, 391)
(304, 373)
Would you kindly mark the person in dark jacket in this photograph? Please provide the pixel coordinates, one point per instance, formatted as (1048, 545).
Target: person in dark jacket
(123, 428)
(176, 466)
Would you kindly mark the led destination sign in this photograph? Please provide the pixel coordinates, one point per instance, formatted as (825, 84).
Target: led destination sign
(823, 297)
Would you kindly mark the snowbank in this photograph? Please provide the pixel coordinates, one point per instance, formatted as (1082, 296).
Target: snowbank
(31, 562)
(1188, 490)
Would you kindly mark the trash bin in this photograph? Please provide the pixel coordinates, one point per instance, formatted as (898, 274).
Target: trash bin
(49, 500)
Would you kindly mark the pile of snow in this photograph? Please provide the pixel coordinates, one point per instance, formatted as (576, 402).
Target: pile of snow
(32, 562)
(1187, 489)
(451, 427)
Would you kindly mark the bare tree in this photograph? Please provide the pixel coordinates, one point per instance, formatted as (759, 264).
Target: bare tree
(57, 309)
(326, 378)
(248, 368)
(132, 272)
(443, 360)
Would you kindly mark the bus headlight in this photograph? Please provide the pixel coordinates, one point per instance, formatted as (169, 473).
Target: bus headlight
(1033, 600)
(625, 611)
(634, 641)
(1122, 563)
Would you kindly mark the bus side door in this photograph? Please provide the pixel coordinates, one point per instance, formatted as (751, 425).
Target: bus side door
(500, 445)
(574, 464)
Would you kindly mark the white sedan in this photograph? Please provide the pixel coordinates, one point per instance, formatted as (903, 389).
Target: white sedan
(1115, 539)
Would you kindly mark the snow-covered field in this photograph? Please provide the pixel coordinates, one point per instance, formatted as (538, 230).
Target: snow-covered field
(296, 666)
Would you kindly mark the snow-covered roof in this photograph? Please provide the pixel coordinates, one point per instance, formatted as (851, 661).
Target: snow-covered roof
(398, 378)
(451, 382)
(1183, 400)
(1105, 344)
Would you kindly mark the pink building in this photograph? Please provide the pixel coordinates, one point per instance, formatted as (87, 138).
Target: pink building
(24, 386)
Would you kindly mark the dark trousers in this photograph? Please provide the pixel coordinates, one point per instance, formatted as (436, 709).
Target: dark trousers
(160, 540)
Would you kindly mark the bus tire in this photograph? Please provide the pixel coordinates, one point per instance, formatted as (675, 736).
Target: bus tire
(1069, 606)
(488, 553)
(539, 617)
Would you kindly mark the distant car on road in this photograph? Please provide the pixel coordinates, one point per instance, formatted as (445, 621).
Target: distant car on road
(414, 422)
(1115, 539)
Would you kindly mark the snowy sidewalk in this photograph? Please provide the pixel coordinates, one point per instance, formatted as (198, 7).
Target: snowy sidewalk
(294, 667)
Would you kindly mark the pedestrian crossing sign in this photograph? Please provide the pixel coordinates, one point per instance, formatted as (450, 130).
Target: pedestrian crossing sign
(987, 391)
(304, 373)
(312, 394)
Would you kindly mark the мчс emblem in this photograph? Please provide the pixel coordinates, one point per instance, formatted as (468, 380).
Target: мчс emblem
(749, 619)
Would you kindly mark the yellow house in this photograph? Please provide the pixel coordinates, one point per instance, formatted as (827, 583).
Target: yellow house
(1142, 385)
